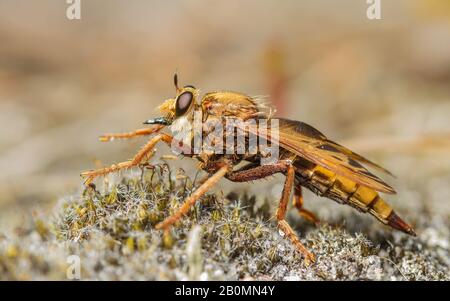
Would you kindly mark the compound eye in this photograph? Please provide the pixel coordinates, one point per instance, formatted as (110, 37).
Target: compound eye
(183, 103)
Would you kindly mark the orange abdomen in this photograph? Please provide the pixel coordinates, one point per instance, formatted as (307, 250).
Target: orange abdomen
(326, 183)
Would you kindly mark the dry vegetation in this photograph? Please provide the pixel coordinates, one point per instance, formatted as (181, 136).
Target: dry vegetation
(221, 239)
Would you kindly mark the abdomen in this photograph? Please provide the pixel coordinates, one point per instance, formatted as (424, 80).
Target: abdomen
(326, 183)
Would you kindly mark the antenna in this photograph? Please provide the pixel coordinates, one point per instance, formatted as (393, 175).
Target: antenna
(175, 80)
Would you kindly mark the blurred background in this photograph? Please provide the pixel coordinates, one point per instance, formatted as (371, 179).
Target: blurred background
(381, 87)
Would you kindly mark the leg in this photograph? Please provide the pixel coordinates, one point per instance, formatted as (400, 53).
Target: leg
(297, 201)
(250, 173)
(247, 173)
(281, 214)
(143, 155)
(190, 201)
(137, 133)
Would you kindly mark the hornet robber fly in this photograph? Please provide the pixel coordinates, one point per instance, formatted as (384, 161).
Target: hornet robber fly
(306, 157)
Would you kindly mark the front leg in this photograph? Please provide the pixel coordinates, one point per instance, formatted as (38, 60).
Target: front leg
(137, 133)
(143, 155)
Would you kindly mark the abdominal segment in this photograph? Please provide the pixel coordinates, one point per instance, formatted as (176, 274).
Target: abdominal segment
(328, 184)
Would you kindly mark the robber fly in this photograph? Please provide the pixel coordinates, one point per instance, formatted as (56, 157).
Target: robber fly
(306, 157)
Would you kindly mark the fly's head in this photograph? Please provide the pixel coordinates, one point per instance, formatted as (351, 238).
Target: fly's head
(178, 112)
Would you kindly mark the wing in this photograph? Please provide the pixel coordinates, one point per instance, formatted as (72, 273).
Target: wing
(307, 142)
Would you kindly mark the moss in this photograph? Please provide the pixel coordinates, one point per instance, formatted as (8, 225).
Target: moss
(230, 237)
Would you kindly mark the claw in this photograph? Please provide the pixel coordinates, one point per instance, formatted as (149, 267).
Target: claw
(309, 258)
(88, 178)
(105, 138)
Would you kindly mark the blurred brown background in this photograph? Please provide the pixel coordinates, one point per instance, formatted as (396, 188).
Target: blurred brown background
(381, 86)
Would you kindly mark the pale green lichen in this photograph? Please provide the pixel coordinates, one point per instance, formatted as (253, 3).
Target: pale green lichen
(222, 238)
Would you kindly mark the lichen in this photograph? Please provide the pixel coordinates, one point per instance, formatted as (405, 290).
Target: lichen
(222, 238)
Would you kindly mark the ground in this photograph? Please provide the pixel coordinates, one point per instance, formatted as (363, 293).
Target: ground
(225, 237)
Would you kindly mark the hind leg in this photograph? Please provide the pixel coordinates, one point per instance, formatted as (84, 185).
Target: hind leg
(281, 214)
(297, 201)
(253, 172)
